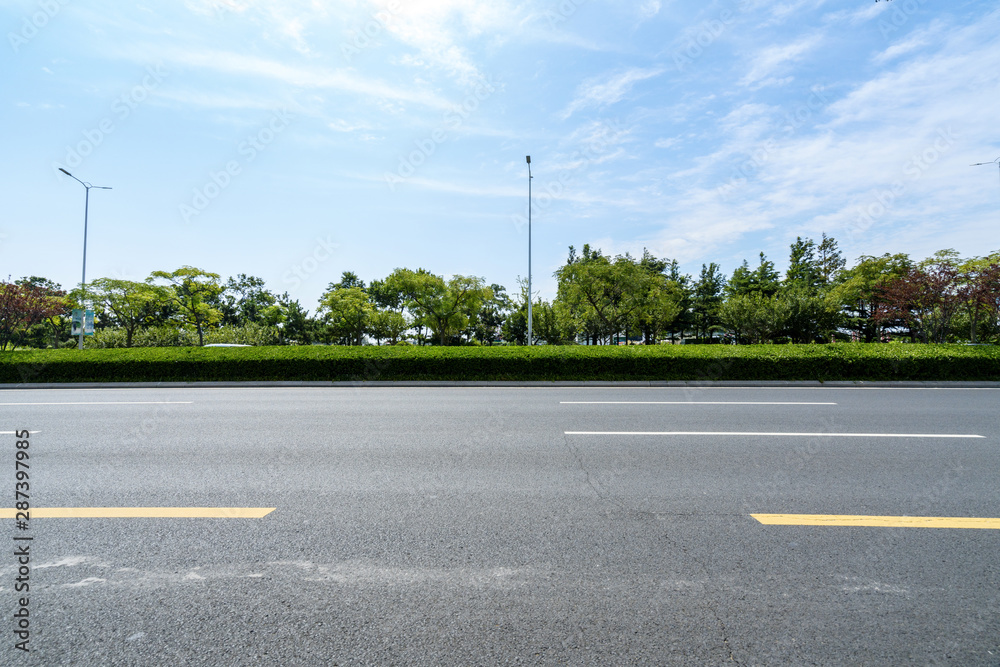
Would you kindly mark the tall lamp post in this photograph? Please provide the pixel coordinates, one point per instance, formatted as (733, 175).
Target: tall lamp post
(996, 162)
(86, 209)
(528, 158)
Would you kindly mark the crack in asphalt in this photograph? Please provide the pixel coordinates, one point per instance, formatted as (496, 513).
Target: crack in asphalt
(634, 512)
(586, 474)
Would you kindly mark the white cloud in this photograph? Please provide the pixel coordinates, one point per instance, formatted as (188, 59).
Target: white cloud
(916, 40)
(216, 7)
(781, 11)
(280, 20)
(220, 100)
(884, 168)
(912, 130)
(929, 90)
(438, 28)
(766, 63)
(229, 62)
(452, 186)
(341, 125)
(857, 16)
(649, 9)
(605, 91)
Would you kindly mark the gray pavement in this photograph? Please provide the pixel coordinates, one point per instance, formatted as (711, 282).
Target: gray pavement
(461, 525)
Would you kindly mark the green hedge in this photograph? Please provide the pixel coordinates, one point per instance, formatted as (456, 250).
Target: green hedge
(248, 334)
(664, 362)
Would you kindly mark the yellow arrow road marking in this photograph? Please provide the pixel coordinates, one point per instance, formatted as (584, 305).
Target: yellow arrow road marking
(142, 512)
(882, 521)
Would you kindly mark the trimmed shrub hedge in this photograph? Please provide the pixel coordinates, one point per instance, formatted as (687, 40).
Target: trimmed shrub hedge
(249, 334)
(852, 361)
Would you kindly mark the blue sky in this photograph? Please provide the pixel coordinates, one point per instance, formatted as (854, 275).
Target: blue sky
(295, 140)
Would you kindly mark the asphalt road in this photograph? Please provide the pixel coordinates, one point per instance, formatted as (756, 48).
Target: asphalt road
(466, 526)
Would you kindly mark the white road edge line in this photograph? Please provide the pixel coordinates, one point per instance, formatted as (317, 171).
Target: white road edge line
(13, 432)
(809, 435)
(691, 403)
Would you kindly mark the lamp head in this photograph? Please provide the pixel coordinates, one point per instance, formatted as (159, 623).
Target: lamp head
(64, 171)
(528, 158)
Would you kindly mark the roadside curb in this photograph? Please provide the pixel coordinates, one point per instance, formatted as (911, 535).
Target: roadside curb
(861, 384)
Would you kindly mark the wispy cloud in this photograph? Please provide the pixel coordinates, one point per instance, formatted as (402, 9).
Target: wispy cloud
(897, 144)
(439, 30)
(605, 91)
(857, 16)
(783, 11)
(649, 9)
(451, 185)
(284, 21)
(710, 164)
(341, 125)
(229, 62)
(221, 100)
(766, 63)
(946, 85)
(917, 40)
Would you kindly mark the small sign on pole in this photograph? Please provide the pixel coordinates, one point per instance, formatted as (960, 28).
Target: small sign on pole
(88, 322)
(77, 322)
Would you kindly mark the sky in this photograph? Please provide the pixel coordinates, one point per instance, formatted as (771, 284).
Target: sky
(297, 140)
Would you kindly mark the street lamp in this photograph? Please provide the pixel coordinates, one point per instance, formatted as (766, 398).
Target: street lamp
(978, 164)
(528, 158)
(86, 208)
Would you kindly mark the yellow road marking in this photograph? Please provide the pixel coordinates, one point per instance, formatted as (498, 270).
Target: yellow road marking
(770, 434)
(688, 403)
(142, 512)
(882, 521)
(105, 403)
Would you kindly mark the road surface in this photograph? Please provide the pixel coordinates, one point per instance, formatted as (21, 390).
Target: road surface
(504, 525)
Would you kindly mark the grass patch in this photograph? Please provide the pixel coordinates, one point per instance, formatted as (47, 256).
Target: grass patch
(663, 362)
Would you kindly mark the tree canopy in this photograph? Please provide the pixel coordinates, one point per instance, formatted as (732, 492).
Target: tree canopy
(444, 307)
(600, 299)
(193, 290)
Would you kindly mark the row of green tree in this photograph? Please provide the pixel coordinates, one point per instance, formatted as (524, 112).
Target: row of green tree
(600, 300)
(943, 298)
